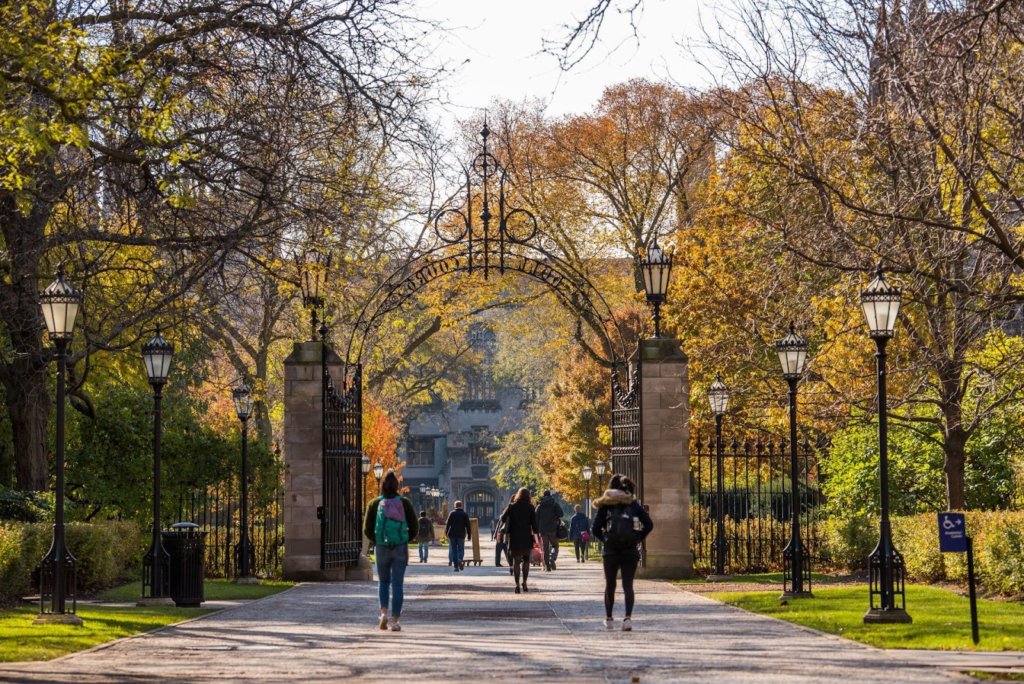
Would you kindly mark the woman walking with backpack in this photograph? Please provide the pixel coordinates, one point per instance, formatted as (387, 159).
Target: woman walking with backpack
(520, 520)
(390, 523)
(621, 523)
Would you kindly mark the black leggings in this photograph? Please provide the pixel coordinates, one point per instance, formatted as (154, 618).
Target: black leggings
(581, 549)
(612, 566)
(521, 563)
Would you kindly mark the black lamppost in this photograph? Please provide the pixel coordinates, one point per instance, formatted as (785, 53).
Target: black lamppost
(718, 397)
(245, 554)
(588, 473)
(60, 303)
(157, 354)
(600, 467)
(313, 267)
(881, 304)
(365, 467)
(657, 269)
(423, 490)
(796, 577)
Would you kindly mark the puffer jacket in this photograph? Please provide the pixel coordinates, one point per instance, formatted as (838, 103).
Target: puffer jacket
(610, 499)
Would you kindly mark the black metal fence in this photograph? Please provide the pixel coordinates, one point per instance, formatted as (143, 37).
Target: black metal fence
(756, 501)
(217, 511)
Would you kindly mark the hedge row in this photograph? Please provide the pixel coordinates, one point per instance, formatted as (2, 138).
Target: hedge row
(998, 548)
(107, 553)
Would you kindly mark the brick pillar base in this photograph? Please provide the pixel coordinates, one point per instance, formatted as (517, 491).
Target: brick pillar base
(303, 456)
(665, 403)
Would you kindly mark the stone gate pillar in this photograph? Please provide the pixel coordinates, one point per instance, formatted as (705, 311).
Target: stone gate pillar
(665, 416)
(303, 458)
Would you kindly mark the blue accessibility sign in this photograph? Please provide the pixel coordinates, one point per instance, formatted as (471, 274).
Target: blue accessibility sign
(952, 533)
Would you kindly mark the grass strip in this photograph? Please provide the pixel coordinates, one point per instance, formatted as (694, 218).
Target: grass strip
(942, 618)
(23, 641)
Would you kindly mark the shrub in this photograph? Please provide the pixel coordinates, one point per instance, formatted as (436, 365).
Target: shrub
(998, 548)
(24, 506)
(107, 553)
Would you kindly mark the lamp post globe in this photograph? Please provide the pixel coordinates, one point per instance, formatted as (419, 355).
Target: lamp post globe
(60, 303)
(657, 272)
(588, 473)
(718, 398)
(366, 465)
(796, 576)
(600, 467)
(378, 471)
(880, 302)
(157, 355)
(245, 556)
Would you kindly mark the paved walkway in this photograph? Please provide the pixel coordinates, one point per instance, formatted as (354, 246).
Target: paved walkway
(471, 627)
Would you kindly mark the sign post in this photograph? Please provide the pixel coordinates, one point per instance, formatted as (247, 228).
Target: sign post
(953, 539)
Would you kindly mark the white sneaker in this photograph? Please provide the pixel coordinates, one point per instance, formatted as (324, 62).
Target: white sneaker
(609, 624)
(395, 627)
(383, 621)
(627, 625)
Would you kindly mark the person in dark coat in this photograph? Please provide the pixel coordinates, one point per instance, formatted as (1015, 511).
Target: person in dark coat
(520, 519)
(548, 515)
(578, 526)
(620, 500)
(457, 530)
(391, 554)
(425, 536)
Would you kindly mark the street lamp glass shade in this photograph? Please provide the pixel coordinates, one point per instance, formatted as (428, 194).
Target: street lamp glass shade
(600, 468)
(60, 303)
(657, 270)
(588, 472)
(881, 304)
(718, 397)
(157, 355)
(243, 401)
(792, 351)
(423, 488)
(314, 266)
(378, 470)
(366, 464)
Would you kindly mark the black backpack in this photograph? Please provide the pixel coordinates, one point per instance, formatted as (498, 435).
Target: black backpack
(619, 531)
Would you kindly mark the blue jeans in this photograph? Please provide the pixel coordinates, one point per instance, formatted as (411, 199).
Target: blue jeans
(391, 562)
(424, 551)
(456, 550)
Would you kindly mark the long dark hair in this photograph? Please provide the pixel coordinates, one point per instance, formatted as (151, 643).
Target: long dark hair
(522, 495)
(622, 482)
(389, 485)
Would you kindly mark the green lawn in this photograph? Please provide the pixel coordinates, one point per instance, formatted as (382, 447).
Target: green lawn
(24, 641)
(766, 578)
(215, 590)
(941, 618)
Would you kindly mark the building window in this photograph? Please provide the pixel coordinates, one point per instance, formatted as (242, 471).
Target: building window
(419, 451)
(479, 456)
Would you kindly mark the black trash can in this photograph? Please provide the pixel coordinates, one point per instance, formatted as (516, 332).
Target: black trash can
(186, 545)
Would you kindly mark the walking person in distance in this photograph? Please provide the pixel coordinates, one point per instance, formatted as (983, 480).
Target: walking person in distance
(390, 523)
(579, 533)
(424, 536)
(520, 521)
(456, 528)
(621, 523)
(549, 513)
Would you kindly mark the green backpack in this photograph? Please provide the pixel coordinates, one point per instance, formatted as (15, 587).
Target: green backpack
(390, 532)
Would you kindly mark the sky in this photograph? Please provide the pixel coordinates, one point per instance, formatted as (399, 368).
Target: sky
(496, 47)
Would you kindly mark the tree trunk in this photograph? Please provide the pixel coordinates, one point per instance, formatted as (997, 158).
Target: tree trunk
(28, 404)
(954, 447)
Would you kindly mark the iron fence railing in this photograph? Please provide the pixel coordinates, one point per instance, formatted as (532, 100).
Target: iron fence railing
(217, 510)
(755, 499)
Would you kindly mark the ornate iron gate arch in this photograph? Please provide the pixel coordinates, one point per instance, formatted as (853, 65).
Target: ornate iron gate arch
(516, 245)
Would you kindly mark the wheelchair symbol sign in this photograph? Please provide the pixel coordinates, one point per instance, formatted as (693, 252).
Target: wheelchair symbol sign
(952, 533)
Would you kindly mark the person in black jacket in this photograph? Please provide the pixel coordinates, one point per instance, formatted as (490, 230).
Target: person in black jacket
(548, 515)
(456, 528)
(520, 520)
(397, 522)
(622, 524)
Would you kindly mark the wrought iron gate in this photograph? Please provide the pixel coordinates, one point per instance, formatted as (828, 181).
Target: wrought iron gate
(341, 536)
(627, 433)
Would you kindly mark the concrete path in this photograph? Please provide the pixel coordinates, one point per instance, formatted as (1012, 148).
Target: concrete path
(471, 627)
